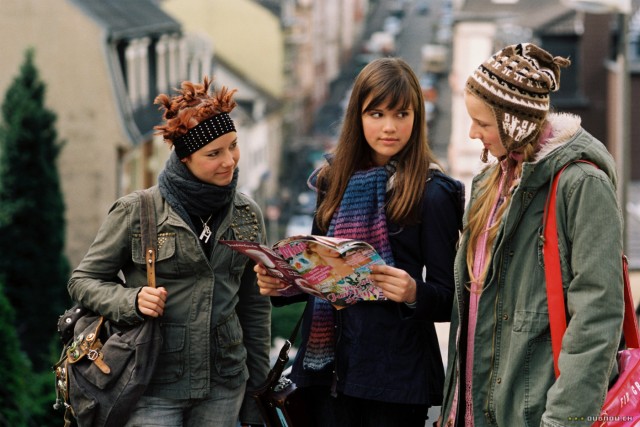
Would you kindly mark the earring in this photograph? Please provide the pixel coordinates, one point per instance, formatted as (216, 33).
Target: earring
(484, 157)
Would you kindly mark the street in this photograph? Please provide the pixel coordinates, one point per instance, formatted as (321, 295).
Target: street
(417, 29)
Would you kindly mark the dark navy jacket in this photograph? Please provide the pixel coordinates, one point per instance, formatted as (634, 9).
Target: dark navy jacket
(385, 350)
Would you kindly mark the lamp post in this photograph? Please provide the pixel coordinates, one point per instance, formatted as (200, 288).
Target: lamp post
(623, 97)
(623, 123)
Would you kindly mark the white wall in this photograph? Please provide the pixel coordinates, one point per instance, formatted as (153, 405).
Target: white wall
(472, 45)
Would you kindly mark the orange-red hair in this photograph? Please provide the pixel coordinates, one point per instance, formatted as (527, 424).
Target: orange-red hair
(192, 105)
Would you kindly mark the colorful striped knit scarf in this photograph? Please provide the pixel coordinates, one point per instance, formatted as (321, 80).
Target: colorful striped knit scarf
(361, 215)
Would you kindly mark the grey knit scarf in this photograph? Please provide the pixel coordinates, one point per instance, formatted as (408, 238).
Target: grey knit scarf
(187, 195)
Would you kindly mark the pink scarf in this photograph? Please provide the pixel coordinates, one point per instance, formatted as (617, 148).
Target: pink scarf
(479, 264)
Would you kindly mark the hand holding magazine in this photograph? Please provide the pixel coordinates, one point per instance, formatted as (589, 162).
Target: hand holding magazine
(330, 268)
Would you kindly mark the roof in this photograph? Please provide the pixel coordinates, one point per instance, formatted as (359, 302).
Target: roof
(129, 18)
(273, 6)
(236, 79)
(121, 21)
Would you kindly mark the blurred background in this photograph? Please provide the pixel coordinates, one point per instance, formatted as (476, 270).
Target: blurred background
(78, 79)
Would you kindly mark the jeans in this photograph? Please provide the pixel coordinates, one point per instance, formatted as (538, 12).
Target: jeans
(219, 409)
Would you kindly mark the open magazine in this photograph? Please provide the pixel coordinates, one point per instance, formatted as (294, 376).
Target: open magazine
(334, 269)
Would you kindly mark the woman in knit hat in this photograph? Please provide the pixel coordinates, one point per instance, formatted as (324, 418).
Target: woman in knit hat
(501, 369)
(378, 363)
(215, 324)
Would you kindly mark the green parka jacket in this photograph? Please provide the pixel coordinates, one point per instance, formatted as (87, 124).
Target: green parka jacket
(513, 376)
(216, 325)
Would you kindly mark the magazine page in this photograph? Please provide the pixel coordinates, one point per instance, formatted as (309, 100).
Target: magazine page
(275, 265)
(336, 269)
(340, 244)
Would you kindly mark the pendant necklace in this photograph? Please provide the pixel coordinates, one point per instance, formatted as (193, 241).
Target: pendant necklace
(206, 231)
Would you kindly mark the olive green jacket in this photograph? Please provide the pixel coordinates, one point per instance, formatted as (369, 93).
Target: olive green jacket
(513, 376)
(216, 325)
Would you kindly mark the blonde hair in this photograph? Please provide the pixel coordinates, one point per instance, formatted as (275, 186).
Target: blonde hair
(478, 217)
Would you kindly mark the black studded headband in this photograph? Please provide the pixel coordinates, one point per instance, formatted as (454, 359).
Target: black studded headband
(202, 134)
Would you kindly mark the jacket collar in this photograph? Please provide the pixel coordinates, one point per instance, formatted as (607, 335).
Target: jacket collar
(567, 143)
(563, 127)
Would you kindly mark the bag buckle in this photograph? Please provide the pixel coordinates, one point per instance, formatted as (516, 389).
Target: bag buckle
(89, 346)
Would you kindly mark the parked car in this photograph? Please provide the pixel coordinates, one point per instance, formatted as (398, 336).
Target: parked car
(431, 111)
(422, 7)
(381, 42)
(362, 59)
(392, 25)
(299, 224)
(306, 203)
(429, 85)
(397, 9)
(434, 58)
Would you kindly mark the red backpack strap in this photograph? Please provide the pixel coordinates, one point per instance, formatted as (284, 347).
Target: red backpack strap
(553, 272)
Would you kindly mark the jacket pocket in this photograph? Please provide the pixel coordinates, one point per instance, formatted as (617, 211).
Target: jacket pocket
(236, 271)
(530, 351)
(529, 321)
(170, 365)
(230, 352)
(166, 263)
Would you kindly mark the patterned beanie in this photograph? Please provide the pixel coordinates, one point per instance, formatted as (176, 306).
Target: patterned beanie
(516, 82)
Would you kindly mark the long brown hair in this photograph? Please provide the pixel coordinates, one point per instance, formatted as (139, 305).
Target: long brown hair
(390, 82)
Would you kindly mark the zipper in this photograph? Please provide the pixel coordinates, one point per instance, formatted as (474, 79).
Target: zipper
(451, 390)
(489, 413)
(334, 375)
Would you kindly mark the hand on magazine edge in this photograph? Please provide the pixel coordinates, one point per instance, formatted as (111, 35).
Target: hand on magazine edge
(396, 284)
(268, 285)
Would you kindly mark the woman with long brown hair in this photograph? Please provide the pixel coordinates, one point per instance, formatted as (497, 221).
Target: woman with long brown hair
(378, 363)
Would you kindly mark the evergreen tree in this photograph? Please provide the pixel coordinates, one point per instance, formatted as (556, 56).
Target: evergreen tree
(15, 369)
(33, 266)
(41, 393)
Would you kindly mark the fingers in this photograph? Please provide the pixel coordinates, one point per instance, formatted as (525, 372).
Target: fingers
(268, 285)
(151, 301)
(396, 284)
